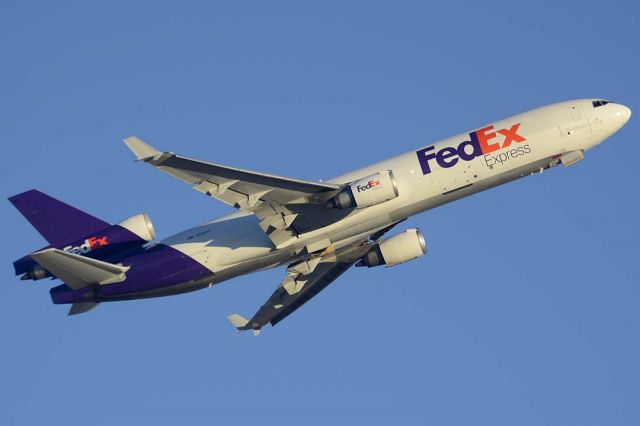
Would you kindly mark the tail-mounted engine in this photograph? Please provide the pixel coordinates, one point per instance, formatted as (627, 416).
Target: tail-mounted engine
(396, 249)
(140, 225)
(368, 191)
(110, 244)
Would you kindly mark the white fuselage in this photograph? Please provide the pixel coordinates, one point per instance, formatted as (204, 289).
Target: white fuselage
(512, 148)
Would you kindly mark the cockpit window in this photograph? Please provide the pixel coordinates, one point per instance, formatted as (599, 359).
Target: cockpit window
(602, 102)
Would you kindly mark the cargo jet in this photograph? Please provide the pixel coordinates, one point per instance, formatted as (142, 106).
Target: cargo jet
(317, 230)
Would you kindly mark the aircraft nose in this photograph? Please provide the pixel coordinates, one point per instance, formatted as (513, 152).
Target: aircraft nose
(623, 114)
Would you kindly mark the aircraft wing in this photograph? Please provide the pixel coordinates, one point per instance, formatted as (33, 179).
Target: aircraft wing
(281, 304)
(304, 280)
(277, 201)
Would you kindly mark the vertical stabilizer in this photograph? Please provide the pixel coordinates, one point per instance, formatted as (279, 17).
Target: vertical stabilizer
(57, 222)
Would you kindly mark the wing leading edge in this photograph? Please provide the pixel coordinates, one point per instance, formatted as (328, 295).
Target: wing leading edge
(245, 188)
(277, 201)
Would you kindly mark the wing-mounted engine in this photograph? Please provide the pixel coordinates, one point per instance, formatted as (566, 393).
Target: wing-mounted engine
(396, 249)
(368, 191)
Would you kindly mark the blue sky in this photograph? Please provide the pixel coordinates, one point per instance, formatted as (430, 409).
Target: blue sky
(524, 311)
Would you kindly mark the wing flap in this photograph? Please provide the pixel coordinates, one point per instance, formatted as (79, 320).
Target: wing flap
(277, 201)
(307, 278)
(308, 292)
(79, 271)
(216, 179)
(284, 302)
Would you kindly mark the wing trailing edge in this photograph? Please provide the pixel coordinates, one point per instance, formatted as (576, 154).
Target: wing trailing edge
(276, 200)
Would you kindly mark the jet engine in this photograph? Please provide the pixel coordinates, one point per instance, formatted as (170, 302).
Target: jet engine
(110, 243)
(140, 225)
(368, 191)
(396, 249)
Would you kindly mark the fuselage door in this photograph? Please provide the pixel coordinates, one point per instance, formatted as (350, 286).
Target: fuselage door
(575, 112)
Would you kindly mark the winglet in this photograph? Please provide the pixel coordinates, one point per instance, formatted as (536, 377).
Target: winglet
(238, 321)
(142, 151)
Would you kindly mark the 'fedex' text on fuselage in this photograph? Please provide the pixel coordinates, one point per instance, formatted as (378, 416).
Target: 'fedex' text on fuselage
(481, 142)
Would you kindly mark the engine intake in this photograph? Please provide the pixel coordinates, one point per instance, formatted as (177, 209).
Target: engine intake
(140, 225)
(368, 191)
(396, 249)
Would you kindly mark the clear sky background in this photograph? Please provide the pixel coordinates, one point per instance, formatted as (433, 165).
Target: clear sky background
(525, 311)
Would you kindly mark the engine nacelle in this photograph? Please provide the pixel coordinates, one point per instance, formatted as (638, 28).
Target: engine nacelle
(108, 244)
(37, 272)
(368, 191)
(396, 249)
(140, 225)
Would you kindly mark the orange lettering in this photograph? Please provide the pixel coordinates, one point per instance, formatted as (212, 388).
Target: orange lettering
(484, 138)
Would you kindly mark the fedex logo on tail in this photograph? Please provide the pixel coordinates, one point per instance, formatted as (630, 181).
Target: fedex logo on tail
(88, 245)
(481, 142)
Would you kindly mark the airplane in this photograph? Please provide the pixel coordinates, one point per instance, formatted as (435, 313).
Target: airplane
(317, 230)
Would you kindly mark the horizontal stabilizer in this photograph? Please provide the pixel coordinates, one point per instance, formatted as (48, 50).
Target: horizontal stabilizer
(78, 271)
(82, 307)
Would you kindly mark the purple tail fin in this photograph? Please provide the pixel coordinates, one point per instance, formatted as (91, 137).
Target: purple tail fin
(57, 222)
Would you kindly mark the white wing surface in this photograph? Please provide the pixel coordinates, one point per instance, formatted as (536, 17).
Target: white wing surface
(277, 201)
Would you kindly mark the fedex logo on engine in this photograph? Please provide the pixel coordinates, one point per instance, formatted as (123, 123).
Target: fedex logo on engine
(369, 185)
(88, 245)
(481, 142)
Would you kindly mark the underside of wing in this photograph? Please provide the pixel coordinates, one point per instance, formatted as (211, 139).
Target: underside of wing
(291, 295)
(277, 201)
(79, 271)
(304, 280)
